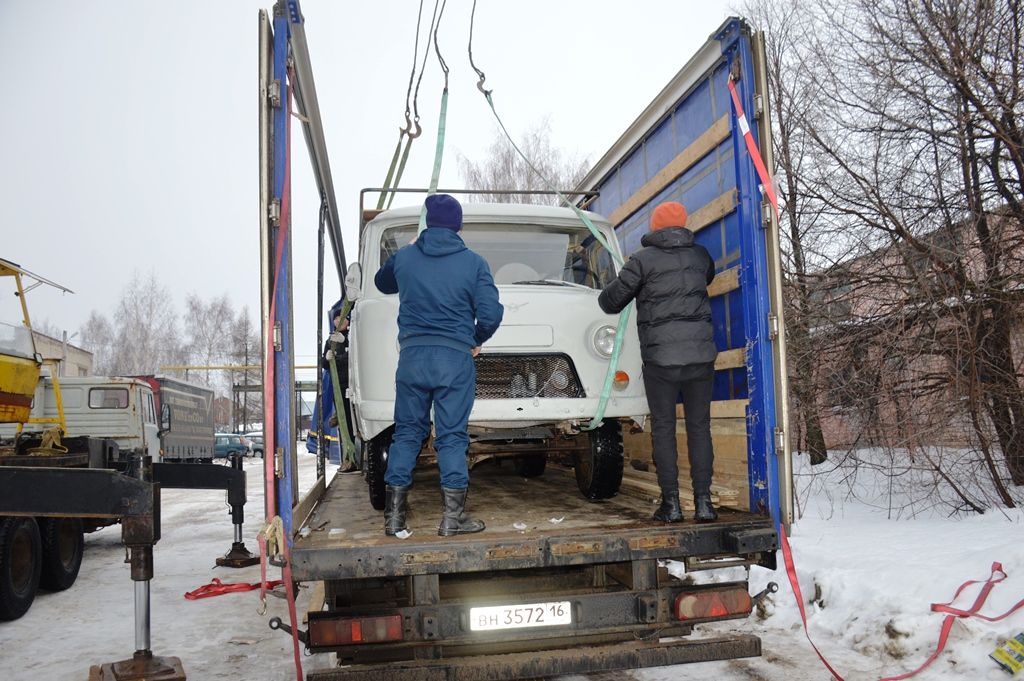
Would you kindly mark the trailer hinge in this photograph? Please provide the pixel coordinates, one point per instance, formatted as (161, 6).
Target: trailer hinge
(758, 107)
(279, 462)
(773, 326)
(767, 213)
(278, 343)
(274, 212)
(274, 94)
(780, 440)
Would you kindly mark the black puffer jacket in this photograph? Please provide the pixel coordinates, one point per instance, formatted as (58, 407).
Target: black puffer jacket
(669, 278)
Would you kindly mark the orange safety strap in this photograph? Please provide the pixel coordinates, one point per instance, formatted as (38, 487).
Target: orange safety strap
(755, 155)
(219, 588)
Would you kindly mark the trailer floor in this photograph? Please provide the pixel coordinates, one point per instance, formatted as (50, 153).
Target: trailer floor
(531, 522)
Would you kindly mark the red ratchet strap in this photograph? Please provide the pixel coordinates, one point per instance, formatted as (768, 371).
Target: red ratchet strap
(755, 154)
(219, 588)
(787, 557)
(952, 613)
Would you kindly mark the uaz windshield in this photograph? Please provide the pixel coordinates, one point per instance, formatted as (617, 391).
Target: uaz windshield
(527, 254)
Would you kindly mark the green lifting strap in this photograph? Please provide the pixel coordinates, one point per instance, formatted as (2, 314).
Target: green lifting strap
(438, 155)
(620, 331)
(391, 170)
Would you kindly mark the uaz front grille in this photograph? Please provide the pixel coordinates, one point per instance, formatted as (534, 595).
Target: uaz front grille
(525, 376)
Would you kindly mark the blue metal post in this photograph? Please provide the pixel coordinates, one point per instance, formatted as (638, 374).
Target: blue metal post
(762, 457)
(284, 423)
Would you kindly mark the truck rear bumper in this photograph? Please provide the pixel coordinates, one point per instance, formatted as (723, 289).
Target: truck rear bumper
(632, 655)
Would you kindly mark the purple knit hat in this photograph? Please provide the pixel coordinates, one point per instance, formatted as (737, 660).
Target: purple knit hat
(444, 211)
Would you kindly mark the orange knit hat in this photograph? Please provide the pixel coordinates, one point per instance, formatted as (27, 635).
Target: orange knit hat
(668, 214)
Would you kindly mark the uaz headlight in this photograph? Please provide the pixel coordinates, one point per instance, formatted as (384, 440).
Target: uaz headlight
(604, 340)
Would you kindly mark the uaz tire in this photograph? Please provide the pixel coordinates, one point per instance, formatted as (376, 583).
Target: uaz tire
(375, 464)
(599, 467)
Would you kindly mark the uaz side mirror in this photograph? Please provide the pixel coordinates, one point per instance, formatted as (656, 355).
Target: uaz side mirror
(354, 281)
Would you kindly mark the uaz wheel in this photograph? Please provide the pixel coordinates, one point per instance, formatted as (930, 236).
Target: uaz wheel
(599, 467)
(375, 464)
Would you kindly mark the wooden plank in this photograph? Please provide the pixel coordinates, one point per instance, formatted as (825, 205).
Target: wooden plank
(721, 409)
(724, 282)
(731, 359)
(712, 212)
(301, 510)
(698, 149)
(317, 598)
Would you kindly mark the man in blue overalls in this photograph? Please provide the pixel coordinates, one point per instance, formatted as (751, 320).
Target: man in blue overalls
(448, 308)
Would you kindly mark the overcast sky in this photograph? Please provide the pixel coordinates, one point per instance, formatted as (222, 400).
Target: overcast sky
(129, 132)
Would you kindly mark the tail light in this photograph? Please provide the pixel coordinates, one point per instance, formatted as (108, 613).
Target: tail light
(712, 604)
(326, 632)
(621, 381)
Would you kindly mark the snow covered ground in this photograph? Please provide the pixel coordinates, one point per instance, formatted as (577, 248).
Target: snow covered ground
(873, 579)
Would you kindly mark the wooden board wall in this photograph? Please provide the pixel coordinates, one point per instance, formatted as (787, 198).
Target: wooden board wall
(730, 481)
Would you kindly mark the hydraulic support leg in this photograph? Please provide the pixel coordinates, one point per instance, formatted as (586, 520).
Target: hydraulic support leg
(209, 476)
(139, 534)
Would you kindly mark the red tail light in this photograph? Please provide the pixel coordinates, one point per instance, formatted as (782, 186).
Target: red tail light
(710, 604)
(326, 632)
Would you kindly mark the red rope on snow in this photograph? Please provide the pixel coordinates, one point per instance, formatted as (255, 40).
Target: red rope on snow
(952, 613)
(219, 588)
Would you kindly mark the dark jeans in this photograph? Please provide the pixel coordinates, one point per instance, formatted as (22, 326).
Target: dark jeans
(444, 378)
(663, 384)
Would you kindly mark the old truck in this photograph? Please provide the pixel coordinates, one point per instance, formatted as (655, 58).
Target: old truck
(558, 583)
(130, 410)
(186, 410)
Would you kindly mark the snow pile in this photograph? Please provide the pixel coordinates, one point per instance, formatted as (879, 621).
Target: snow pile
(868, 579)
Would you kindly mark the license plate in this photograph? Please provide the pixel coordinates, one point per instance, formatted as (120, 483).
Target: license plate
(519, 616)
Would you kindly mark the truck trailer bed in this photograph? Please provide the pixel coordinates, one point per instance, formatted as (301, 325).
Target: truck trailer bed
(531, 523)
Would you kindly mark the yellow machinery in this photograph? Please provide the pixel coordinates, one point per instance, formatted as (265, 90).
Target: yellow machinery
(20, 364)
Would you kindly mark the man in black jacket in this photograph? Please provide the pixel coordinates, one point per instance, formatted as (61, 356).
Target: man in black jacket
(669, 278)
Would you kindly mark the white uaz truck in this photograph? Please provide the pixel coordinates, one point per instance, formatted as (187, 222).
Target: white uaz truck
(540, 377)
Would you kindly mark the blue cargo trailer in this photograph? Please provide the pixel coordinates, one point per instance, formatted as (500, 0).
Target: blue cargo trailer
(591, 592)
(688, 146)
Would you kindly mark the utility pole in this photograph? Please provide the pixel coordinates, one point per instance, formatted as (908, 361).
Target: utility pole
(245, 380)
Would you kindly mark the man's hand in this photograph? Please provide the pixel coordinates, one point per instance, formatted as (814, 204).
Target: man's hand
(475, 351)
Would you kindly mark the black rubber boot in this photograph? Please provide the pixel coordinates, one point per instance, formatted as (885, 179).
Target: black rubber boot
(705, 512)
(669, 511)
(395, 507)
(455, 521)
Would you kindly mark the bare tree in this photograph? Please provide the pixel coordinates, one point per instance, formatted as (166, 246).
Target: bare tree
(245, 351)
(504, 168)
(208, 326)
(792, 101)
(143, 334)
(929, 157)
(98, 338)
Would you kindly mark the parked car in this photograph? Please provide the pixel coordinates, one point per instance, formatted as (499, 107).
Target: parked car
(255, 443)
(227, 444)
(540, 377)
